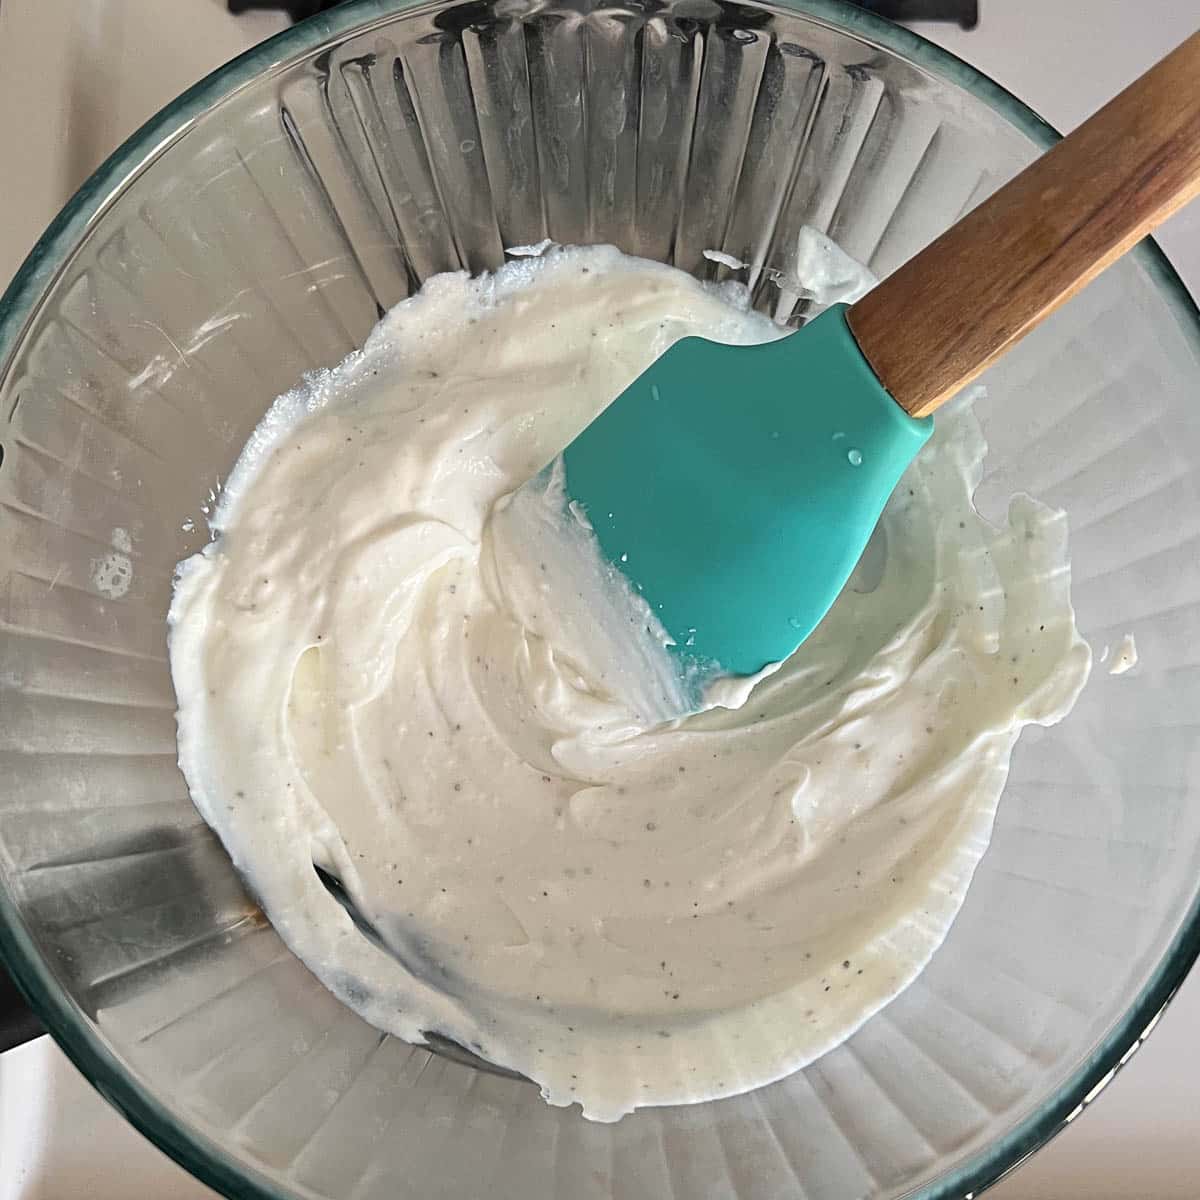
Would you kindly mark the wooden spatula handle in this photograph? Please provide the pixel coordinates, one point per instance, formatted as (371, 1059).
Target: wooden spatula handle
(939, 320)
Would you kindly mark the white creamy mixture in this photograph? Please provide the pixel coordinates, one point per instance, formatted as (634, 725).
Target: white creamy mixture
(627, 915)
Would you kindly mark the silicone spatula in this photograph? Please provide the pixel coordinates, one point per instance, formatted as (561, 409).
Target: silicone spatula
(736, 487)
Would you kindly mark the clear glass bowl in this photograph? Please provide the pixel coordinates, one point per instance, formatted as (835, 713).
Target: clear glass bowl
(255, 230)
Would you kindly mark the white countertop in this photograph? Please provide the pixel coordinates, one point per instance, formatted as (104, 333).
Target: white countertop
(89, 71)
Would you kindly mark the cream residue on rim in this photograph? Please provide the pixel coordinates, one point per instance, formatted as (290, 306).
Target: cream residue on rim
(627, 915)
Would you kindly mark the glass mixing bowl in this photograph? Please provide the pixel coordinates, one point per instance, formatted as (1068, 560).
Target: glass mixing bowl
(255, 230)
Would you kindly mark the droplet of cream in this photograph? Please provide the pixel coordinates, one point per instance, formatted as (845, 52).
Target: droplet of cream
(726, 260)
(1125, 656)
(112, 575)
(854, 457)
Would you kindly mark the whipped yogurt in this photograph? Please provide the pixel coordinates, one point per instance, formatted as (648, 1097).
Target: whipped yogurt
(628, 913)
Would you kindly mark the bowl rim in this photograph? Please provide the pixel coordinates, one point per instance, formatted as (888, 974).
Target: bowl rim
(75, 1032)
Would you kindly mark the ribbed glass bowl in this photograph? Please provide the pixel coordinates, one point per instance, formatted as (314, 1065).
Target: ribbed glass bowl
(255, 230)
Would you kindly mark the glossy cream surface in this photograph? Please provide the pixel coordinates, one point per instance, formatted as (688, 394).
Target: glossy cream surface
(372, 681)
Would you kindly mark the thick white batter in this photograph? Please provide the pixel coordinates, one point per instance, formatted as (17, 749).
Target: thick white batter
(627, 915)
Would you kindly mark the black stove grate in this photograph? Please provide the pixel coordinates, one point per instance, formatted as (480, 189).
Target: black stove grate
(964, 12)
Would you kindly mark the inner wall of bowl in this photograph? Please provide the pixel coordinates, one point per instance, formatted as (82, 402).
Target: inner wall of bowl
(264, 243)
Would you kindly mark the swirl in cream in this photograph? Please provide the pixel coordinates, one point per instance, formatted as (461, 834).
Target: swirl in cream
(627, 915)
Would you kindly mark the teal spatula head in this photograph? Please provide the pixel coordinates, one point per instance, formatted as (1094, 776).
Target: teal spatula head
(735, 487)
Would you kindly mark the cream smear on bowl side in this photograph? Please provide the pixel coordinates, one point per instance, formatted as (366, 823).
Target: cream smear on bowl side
(629, 914)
